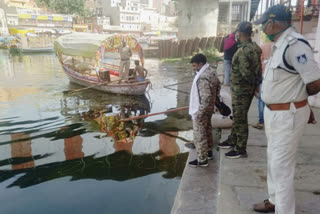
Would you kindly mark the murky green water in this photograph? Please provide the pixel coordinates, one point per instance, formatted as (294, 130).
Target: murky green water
(68, 153)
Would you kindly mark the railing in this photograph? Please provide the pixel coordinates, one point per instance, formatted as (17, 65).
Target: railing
(309, 12)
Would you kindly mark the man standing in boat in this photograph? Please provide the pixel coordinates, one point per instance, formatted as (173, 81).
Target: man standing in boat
(125, 54)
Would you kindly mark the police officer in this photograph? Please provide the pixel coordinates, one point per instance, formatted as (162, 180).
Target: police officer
(291, 75)
(246, 71)
(204, 92)
(125, 54)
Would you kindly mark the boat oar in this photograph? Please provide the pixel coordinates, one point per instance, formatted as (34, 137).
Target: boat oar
(153, 114)
(103, 83)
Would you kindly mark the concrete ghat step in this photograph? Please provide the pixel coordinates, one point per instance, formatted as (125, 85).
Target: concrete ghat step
(243, 182)
(198, 188)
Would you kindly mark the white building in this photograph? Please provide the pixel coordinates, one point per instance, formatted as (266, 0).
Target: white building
(104, 22)
(149, 16)
(124, 13)
(130, 16)
(3, 23)
(12, 19)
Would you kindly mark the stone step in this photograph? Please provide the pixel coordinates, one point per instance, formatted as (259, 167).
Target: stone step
(243, 182)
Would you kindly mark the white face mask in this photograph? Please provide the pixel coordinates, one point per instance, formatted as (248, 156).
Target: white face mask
(237, 38)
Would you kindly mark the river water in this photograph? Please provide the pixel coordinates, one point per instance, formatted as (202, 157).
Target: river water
(68, 153)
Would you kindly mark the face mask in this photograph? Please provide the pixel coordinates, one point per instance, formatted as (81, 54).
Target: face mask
(272, 36)
(237, 38)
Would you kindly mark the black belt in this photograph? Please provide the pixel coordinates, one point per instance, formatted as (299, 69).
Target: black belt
(124, 59)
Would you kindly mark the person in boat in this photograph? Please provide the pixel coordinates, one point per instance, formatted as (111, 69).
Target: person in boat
(140, 72)
(125, 54)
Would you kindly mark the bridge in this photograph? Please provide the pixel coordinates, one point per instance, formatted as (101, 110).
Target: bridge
(205, 18)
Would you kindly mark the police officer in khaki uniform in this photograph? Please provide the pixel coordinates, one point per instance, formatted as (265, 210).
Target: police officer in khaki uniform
(291, 75)
(125, 54)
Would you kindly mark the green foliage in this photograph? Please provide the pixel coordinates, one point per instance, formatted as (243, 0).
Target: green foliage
(212, 55)
(64, 6)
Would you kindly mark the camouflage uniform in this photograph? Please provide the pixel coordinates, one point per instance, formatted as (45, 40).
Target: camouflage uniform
(209, 87)
(246, 68)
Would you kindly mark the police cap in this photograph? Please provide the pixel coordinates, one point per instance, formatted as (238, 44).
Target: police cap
(277, 12)
(244, 27)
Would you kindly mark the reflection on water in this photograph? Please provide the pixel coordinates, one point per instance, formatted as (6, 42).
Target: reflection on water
(52, 142)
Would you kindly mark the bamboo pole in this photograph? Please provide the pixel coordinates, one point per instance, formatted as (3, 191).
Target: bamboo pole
(153, 114)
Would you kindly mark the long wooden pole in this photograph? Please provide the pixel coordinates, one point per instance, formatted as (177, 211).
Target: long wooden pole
(153, 114)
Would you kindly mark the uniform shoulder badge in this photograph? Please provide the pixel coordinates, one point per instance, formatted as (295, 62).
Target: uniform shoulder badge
(302, 59)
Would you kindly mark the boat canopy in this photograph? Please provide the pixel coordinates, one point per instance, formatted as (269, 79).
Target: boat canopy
(94, 45)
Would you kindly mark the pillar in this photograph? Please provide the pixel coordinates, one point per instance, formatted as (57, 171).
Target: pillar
(198, 18)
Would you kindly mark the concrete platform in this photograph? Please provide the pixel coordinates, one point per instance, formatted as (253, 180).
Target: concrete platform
(243, 182)
(233, 186)
(198, 189)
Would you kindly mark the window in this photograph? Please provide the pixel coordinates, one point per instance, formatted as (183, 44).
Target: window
(237, 12)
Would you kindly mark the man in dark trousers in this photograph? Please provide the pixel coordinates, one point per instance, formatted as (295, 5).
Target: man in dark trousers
(246, 70)
(230, 48)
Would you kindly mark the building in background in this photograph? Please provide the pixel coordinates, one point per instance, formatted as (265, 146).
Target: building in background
(124, 13)
(232, 12)
(172, 8)
(95, 7)
(30, 4)
(25, 15)
(157, 4)
(3, 23)
(149, 19)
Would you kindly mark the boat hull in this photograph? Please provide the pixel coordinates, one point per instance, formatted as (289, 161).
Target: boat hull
(138, 88)
(37, 50)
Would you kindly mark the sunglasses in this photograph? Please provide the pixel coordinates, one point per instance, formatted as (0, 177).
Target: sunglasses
(265, 24)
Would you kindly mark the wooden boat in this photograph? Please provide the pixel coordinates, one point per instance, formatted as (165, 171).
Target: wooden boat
(136, 88)
(4, 41)
(36, 50)
(34, 44)
(85, 57)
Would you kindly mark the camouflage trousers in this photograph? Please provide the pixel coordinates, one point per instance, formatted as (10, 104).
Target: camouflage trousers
(202, 135)
(240, 107)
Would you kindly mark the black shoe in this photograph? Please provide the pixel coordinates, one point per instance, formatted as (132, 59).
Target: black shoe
(235, 154)
(195, 163)
(225, 145)
(210, 155)
(190, 145)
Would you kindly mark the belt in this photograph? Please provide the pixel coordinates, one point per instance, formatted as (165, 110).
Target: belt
(286, 106)
(124, 59)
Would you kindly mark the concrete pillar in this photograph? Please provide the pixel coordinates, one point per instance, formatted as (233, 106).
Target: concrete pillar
(249, 10)
(3, 20)
(317, 45)
(198, 18)
(230, 16)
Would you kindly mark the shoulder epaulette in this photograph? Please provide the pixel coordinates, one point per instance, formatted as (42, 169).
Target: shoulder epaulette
(291, 39)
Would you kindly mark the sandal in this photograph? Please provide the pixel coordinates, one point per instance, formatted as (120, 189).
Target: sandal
(258, 126)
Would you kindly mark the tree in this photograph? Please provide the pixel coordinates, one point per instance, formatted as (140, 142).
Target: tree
(64, 6)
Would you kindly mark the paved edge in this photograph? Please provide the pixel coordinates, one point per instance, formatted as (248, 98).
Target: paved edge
(198, 189)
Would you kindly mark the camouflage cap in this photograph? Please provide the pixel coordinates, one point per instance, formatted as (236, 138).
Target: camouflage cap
(244, 27)
(277, 12)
